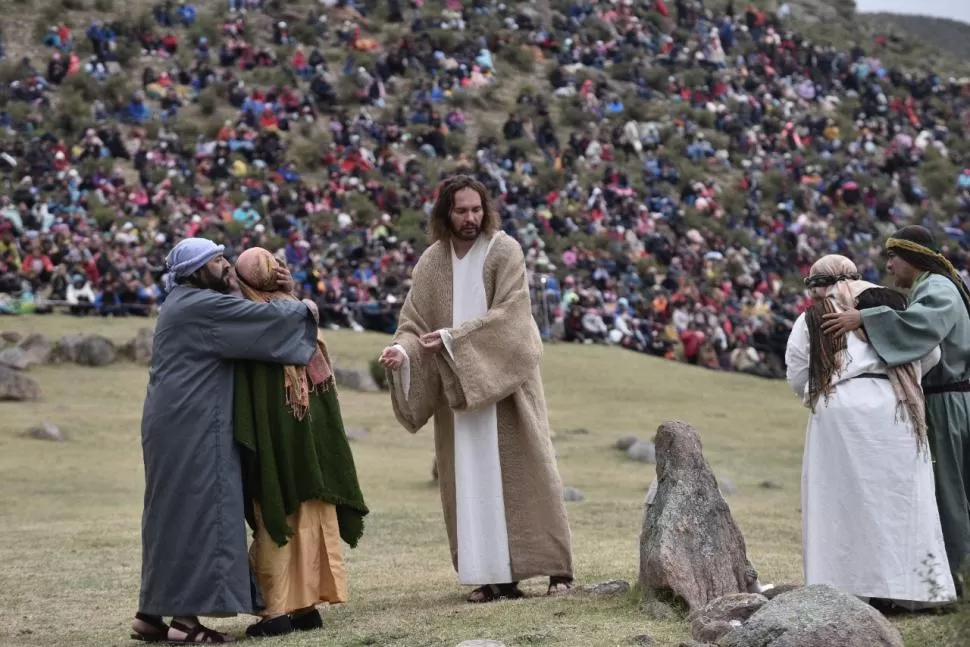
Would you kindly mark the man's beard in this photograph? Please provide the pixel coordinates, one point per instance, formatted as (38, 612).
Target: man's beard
(209, 281)
(467, 232)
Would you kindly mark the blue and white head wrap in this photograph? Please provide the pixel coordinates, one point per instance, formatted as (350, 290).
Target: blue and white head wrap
(188, 256)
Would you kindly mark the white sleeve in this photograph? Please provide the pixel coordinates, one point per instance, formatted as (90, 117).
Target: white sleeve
(797, 358)
(449, 342)
(405, 373)
(926, 364)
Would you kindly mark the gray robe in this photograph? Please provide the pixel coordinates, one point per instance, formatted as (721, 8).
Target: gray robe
(194, 542)
(936, 316)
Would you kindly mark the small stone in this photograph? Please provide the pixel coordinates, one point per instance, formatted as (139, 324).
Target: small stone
(572, 494)
(625, 443)
(46, 431)
(643, 640)
(769, 485)
(356, 433)
(656, 610)
(722, 615)
(642, 452)
(481, 643)
(11, 336)
(611, 587)
(726, 486)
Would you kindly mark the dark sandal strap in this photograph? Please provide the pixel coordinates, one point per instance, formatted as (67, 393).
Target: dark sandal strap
(208, 636)
(155, 622)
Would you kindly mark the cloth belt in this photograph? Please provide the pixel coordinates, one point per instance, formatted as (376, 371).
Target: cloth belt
(875, 376)
(952, 387)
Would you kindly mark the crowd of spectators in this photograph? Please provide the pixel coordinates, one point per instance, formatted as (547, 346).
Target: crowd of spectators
(671, 172)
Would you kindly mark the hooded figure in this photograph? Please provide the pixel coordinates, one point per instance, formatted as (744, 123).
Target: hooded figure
(300, 482)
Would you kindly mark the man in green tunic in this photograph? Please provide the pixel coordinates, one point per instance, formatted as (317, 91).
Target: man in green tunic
(937, 316)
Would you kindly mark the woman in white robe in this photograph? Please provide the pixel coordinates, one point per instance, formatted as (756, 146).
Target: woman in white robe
(870, 523)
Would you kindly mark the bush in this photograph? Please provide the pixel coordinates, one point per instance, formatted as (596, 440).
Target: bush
(379, 374)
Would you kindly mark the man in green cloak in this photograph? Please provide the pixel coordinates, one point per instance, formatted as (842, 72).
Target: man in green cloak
(938, 315)
(299, 479)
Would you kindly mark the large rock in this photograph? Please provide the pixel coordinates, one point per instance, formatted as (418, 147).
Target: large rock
(358, 379)
(139, 349)
(642, 452)
(95, 351)
(814, 616)
(690, 545)
(17, 386)
(722, 615)
(35, 349)
(67, 348)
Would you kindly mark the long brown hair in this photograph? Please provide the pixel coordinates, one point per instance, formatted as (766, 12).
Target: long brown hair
(440, 226)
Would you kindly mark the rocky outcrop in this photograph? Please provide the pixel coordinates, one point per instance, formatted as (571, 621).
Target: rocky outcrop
(17, 386)
(690, 546)
(814, 616)
(139, 349)
(32, 350)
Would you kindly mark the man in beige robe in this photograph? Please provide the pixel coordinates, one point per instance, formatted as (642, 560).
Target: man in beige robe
(467, 352)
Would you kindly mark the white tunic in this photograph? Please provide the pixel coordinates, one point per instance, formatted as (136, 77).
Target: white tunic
(483, 543)
(870, 523)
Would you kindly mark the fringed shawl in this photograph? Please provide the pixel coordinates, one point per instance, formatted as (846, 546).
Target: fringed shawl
(256, 276)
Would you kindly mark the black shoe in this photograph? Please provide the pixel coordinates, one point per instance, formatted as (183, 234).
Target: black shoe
(307, 621)
(279, 626)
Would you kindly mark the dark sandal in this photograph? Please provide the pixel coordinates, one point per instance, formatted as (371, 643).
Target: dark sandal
(559, 580)
(493, 592)
(307, 621)
(208, 636)
(159, 631)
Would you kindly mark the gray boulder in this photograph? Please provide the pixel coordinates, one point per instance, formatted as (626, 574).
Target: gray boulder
(642, 452)
(68, 347)
(690, 545)
(140, 348)
(625, 443)
(35, 349)
(572, 494)
(814, 616)
(17, 386)
(96, 351)
(358, 379)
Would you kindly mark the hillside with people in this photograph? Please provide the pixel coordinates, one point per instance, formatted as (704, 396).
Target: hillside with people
(671, 168)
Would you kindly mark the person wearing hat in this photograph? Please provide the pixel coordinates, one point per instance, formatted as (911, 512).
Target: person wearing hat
(938, 315)
(194, 549)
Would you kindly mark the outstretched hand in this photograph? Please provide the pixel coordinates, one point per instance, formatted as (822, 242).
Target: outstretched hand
(840, 323)
(431, 342)
(391, 358)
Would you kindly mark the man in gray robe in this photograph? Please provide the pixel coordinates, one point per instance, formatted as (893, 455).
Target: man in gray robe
(194, 543)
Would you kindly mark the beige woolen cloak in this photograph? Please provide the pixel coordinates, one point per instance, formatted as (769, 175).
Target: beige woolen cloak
(496, 362)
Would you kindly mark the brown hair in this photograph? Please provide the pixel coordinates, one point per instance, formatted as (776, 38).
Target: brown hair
(439, 228)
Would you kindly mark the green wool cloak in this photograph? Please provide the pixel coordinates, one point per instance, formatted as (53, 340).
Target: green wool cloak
(287, 461)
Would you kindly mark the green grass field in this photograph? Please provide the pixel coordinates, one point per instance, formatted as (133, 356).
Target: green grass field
(71, 512)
